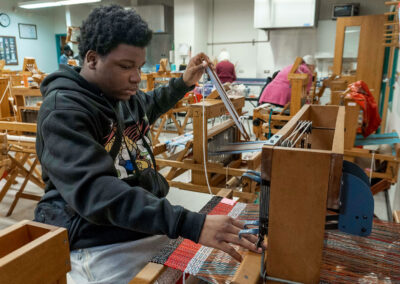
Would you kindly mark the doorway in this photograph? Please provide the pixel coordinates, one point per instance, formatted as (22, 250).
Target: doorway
(60, 42)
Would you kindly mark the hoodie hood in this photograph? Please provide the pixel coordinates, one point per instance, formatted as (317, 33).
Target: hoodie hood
(68, 81)
(68, 78)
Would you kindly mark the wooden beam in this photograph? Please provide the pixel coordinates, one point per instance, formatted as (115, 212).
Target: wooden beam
(355, 152)
(211, 168)
(148, 274)
(18, 126)
(396, 216)
(387, 89)
(249, 269)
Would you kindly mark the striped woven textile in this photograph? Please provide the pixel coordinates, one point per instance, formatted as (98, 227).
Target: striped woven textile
(346, 258)
(353, 259)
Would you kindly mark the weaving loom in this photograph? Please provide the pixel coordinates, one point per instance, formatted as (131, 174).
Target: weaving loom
(221, 170)
(345, 259)
(303, 173)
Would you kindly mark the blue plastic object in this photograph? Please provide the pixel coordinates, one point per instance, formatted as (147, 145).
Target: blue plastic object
(357, 203)
(251, 223)
(253, 231)
(253, 177)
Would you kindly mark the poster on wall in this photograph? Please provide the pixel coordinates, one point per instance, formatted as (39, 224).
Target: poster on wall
(27, 31)
(8, 50)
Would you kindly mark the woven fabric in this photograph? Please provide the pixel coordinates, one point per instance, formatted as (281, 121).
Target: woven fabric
(211, 265)
(353, 259)
(346, 258)
(165, 253)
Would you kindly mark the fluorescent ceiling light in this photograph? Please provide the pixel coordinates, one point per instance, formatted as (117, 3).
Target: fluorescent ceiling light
(52, 3)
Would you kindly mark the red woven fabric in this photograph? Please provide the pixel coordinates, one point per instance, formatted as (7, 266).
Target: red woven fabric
(180, 258)
(360, 94)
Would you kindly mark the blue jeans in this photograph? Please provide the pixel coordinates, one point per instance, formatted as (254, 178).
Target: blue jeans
(115, 263)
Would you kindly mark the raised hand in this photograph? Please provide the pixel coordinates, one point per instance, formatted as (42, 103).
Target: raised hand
(195, 69)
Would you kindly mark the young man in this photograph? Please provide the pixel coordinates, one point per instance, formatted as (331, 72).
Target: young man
(94, 147)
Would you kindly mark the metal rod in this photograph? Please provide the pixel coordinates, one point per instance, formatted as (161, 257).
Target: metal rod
(322, 128)
(281, 280)
(237, 42)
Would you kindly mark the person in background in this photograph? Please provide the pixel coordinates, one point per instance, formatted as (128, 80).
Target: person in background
(225, 69)
(66, 54)
(278, 91)
(94, 146)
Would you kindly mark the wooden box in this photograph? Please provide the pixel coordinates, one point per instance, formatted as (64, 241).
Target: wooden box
(32, 252)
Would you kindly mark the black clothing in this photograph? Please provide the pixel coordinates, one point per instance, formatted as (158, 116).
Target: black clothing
(102, 193)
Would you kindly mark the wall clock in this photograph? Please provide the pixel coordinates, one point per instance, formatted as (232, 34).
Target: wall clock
(4, 20)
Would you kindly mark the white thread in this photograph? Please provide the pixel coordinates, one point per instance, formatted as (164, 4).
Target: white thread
(4, 94)
(205, 140)
(372, 166)
(226, 177)
(306, 125)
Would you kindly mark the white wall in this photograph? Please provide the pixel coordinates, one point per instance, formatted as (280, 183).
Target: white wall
(200, 26)
(232, 21)
(184, 26)
(44, 48)
(49, 22)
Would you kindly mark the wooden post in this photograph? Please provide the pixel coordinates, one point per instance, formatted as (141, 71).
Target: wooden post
(387, 89)
(200, 142)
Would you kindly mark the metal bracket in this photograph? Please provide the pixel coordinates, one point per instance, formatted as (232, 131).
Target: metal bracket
(273, 140)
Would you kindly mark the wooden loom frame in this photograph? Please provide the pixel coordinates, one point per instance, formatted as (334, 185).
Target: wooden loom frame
(25, 153)
(179, 162)
(298, 82)
(181, 106)
(390, 176)
(303, 183)
(327, 173)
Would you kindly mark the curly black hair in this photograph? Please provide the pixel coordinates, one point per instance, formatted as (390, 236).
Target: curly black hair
(108, 26)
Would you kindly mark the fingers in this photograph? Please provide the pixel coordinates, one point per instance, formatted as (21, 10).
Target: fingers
(243, 242)
(199, 58)
(238, 223)
(230, 250)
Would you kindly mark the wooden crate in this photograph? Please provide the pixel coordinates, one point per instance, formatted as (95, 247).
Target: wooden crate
(32, 252)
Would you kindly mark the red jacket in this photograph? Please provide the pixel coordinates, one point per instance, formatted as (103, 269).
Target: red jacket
(226, 71)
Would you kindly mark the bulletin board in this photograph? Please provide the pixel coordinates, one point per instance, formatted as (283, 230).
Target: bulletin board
(8, 50)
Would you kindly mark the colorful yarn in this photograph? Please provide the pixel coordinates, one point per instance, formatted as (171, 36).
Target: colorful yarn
(350, 259)
(165, 253)
(346, 258)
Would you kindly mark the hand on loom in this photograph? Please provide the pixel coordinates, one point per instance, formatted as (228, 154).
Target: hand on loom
(195, 69)
(220, 230)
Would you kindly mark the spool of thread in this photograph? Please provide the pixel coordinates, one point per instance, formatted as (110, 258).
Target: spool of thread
(26, 85)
